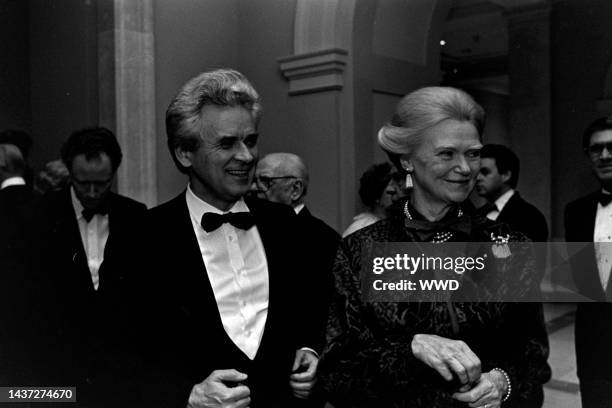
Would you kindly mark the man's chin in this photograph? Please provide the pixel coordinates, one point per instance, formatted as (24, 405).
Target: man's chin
(254, 194)
(91, 205)
(605, 178)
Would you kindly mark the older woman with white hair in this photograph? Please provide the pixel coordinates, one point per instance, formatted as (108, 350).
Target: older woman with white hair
(435, 353)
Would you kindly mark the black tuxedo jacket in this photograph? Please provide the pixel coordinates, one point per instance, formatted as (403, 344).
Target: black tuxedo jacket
(79, 324)
(15, 289)
(322, 242)
(593, 320)
(182, 326)
(14, 197)
(524, 217)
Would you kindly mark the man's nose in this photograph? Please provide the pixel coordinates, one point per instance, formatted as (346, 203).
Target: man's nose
(605, 153)
(244, 153)
(93, 191)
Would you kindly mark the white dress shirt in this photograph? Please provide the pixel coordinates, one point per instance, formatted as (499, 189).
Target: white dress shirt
(94, 235)
(299, 208)
(237, 269)
(603, 233)
(500, 203)
(13, 181)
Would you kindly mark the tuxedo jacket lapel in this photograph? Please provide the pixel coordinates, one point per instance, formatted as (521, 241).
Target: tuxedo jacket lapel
(587, 230)
(587, 222)
(192, 270)
(192, 262)
(581, 224)
(268, 240)
(66, 230)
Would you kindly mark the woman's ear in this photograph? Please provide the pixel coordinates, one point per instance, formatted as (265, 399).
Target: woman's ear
(183, 156)
(406, 164)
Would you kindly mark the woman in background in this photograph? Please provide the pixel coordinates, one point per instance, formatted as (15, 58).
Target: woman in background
(378, 190)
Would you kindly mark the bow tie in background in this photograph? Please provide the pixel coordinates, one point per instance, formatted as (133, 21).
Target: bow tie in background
(212, 221)
(487, 208)
(604, 198)
(89, 213)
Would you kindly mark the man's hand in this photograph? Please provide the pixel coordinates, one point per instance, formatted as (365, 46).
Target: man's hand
(447, 357)
(221, 389)
(304, 370)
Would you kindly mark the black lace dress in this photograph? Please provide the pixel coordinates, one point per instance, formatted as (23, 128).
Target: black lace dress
(368, 360)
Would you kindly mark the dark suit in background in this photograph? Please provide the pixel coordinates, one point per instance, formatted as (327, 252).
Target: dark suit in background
(524, 217)
(283, 178)
(13, 198)
(593, 320)
(15, 300)
(16, 291)
(183, 333)
(322, 243)
(81, 325)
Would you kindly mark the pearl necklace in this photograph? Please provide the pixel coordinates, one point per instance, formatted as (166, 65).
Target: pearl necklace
(439, 237)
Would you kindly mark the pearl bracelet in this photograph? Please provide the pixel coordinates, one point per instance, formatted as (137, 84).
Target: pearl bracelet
(505, 374)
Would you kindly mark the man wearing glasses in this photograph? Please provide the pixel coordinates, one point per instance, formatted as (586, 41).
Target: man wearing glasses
(589, 219)
(283, 178)
(77, 232)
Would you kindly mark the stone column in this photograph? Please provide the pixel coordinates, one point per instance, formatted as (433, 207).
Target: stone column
(321, 66)
(127, 91)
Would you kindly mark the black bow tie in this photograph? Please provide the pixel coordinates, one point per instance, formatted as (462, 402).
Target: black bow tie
(604, 198)
(487, 208)
(89, 213)
(212, 221)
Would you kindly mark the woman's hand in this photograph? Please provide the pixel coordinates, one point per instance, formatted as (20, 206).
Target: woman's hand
(447, 357)
(487, 393)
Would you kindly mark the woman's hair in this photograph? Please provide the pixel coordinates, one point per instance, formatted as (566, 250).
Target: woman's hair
(373, 183)
(423, 109)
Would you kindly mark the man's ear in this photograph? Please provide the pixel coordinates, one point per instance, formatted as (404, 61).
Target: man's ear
(183, 156)
(297, 189)
(506, 176)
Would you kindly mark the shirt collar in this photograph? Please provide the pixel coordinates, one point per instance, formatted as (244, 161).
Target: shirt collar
(13, 181)
(76, 204)
(298, 208)
(197, 207)
(503, 199)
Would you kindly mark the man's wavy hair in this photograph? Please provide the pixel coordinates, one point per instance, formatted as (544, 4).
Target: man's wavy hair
(222, 87)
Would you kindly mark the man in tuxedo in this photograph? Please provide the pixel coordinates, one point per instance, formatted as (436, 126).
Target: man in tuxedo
(222, 275)
(497, 180)
(587, 219)
(14, 192)
(14, 288)
(79, 232)
(283, 178)
(23, 141)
